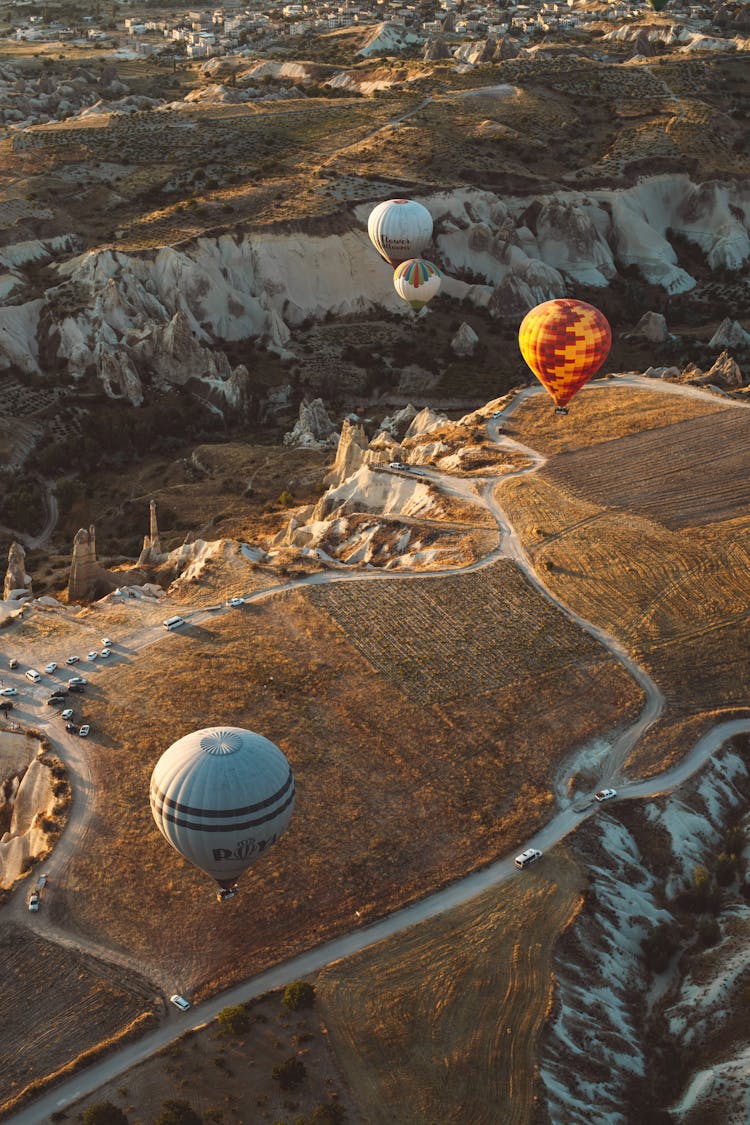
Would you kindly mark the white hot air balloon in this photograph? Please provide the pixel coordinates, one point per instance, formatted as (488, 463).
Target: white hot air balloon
(399, 229)
(221, 797)
(417, 281)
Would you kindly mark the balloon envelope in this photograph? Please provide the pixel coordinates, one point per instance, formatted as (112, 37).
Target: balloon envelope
(399, 229)
(564, 342)
(221, 796)
(417, 281)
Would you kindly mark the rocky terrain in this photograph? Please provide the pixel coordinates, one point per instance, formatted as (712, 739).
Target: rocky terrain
(651, 974)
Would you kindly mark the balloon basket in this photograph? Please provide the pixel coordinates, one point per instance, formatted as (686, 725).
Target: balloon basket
(226, 893)
(561, 410)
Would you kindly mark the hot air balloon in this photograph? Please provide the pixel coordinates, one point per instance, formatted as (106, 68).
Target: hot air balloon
(564, 342)
(399, 229)
(417, 281)
(221, 797)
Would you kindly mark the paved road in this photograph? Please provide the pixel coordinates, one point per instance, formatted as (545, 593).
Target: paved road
(566, 819)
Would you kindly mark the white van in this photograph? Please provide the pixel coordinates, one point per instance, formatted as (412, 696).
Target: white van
(33, 675)
(171, 623)
(531, 855)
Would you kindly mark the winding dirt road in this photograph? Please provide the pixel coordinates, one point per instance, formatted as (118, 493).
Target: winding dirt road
(566, 819)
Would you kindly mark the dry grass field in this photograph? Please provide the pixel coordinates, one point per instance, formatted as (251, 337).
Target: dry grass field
(228, 1078)
(440, 1024)
(86, 1002)
(395, 795)
(678, 597)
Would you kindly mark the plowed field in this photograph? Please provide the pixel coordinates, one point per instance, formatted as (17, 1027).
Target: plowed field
(693, 472)
(57, 1004)
(440, 1024)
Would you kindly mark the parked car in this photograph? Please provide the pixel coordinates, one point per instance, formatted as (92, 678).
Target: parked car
(33, 675)
(52, 667)
(105, 652)
(34, 901)
(9, 691)
(42, 881)
(72, 660)
(107, 642)
(71, 728)
(179, 1002)
(397, 465)
(497, 414)
(85, 730)
(56, 701)
(77, 680)
(174, 622)
(77, 688)
(236, 602)
(12, 663)
(6, 705)
(59, 693)
(605, 795)
(531, 855)
(67, 713)
(94, 655)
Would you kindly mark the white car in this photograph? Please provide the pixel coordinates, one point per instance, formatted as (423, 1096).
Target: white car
(93, 655)
(51, 668)
(106, 642)
(497, 414)
(605, 795)
(397, 465)
(77, 680)
(34, 901)
(9, 691)
(236, 602)
(105, 653)
(85, 730)
(33, 675)
(72, 660)
(531, 855)
(179, 1002)
(67, 714)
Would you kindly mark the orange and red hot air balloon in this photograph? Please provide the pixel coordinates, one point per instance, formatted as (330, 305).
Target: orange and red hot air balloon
(564, 342)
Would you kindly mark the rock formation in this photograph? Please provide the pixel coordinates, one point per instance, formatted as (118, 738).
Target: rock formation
(350, 454)
(151, 551)
(465, 340)
(730, 334)
(313, 429)
(17, 581)
(436, 49)
(652, 327)
(725, 373)
(397, 424)
(87, 578)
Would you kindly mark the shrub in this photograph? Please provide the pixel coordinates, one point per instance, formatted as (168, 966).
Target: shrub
(234, 1020)
(104, 1113)
(175, 1111)
(299, 994)
(288, 1074)
(332, 1113)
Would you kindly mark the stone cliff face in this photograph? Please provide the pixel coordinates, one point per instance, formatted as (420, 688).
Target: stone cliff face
(161, 318)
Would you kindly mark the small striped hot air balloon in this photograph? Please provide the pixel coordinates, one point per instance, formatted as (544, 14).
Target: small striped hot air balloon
(417, 281)
(221, 797)
(564, 342)
(399, 229)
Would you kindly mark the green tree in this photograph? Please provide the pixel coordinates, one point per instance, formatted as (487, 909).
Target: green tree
(234, 1020)
(175, 1111)
(299, 994)
(104, 1113)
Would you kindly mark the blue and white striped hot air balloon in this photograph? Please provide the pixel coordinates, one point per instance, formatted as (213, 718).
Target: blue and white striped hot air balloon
(221, 797)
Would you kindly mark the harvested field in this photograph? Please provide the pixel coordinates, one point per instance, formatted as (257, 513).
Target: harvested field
(490, 622)
(441, 1023)
(395, 796)
(58, 1003)
(599, 413)
(685, 474)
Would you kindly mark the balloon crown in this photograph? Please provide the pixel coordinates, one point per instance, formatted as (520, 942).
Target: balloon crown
(221, 742)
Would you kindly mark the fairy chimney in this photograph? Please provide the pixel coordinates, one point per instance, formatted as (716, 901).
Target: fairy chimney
(84, 570)
(151, 552)
(17, 581)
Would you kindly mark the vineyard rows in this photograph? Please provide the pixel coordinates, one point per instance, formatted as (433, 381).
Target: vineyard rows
(463, 635)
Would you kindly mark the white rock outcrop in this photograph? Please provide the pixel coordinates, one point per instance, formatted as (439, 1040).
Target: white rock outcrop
(465, 340)
(730, 334)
